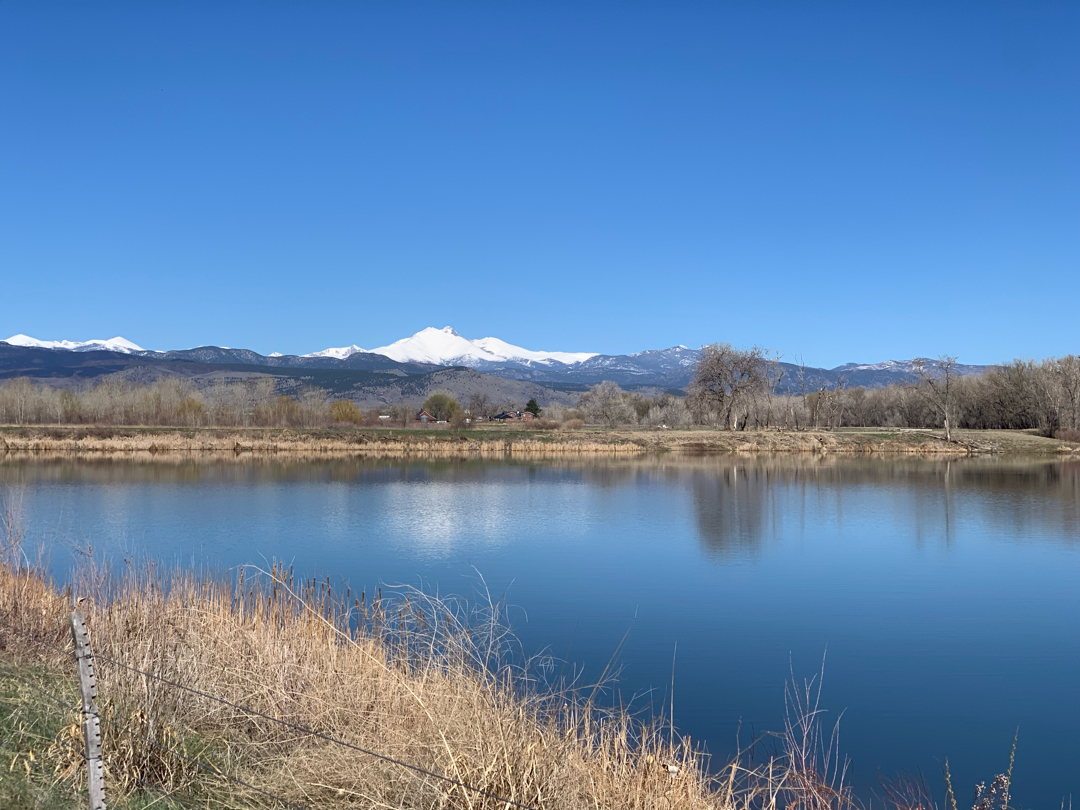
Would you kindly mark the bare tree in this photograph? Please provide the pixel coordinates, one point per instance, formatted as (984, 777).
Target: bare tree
(668, 411)
(607, 404)
(479, 405)
(726, 377)
(1066, 370)
(802, 388)
(936, 386)
(774, 375)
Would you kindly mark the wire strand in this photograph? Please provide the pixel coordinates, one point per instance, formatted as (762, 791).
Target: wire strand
(169, 796)
(209, 767)
(287, 724)
(37, 640)
(82, 754)
(35, 687)
(124, 729)
(318, 734)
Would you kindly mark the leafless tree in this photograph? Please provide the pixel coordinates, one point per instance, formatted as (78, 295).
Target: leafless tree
(725, 377)
(774, 375)
(668, 411)
(479, 405)
(1066, 370)
(607, 404)
(936, 385)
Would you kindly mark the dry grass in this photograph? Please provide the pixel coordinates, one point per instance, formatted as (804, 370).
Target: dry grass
(423, 680)
(536, 439)
(1071, 435)
(533, 442)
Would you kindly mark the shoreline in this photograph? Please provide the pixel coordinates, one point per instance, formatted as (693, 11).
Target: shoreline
(483, 442)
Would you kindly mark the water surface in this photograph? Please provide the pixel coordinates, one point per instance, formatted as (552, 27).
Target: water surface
(946, 593)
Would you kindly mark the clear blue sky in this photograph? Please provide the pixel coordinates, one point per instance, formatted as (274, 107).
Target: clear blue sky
(848, 181)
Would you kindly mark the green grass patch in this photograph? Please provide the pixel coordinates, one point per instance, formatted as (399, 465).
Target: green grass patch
(39, 739)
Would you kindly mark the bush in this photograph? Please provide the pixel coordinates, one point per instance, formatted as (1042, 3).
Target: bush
(540, 424)
(1067, 434)
(573, 424)
(668, 410)
(344, 410)
(441, 406)
(608, 405)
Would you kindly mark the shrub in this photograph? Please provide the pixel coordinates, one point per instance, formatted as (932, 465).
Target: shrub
(573, 424)
(1067, 434)
(608, 405)
(343, 410)
(441, 406)
(540, 424)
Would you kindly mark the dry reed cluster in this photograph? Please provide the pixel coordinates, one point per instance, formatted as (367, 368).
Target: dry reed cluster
(415, 678)
(421, 445)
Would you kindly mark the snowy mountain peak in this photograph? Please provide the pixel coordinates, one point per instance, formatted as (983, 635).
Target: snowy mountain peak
(904, 366)
(445, 347)
(116, 344)
(339, 353)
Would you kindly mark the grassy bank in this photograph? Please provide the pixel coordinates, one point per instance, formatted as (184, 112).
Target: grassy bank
(499, 441)
(423, 681)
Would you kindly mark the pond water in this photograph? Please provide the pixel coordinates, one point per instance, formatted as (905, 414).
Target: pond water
(946, 593)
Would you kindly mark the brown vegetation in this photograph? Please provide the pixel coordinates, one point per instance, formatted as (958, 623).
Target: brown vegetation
(418, 679)
(526, 440)
(533, 439)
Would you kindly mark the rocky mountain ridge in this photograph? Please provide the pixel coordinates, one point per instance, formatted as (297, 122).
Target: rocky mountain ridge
(434, 349)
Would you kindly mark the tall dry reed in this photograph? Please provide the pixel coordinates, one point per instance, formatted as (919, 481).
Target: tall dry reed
(423, 680)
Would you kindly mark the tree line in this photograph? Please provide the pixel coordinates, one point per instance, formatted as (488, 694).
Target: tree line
(740, 389)
(731, 389)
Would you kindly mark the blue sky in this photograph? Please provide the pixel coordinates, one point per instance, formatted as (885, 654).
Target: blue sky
(844, 181)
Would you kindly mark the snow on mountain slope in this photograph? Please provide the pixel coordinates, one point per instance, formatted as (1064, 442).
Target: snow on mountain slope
(116, 344)
(446, 347)
(903, 366)
(506, 351)
(339, 353)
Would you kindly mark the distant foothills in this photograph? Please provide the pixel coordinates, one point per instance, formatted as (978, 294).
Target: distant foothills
(428, 351)
(438, 375)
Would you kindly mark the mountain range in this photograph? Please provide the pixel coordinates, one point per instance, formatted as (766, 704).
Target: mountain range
(431, 350)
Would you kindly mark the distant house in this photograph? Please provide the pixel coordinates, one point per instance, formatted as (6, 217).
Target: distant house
(513, 416)
(525, 416)
(424, 416)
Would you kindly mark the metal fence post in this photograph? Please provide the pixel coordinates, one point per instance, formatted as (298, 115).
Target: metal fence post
(91, 724)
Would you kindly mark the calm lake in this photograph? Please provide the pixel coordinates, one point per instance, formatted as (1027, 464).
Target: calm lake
(946, 593)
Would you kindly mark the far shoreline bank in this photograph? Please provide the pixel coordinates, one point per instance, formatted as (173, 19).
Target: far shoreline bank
(500, 442)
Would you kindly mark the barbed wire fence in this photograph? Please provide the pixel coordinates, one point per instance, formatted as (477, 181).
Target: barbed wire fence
(96, 760)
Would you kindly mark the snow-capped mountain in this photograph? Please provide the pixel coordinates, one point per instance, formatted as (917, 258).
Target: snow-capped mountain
(116, 344)
(445, 347)
(431, 349)
(899, 366)
(338, 354)
(902, 368)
